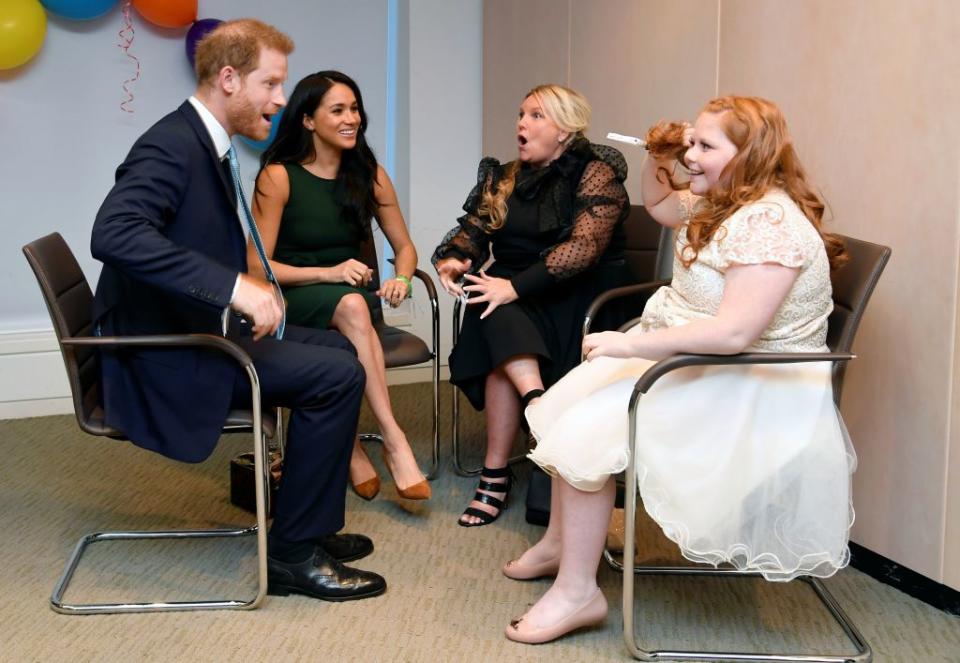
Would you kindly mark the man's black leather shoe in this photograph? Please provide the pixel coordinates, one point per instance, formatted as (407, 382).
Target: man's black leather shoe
(322, 577)
(346, 547)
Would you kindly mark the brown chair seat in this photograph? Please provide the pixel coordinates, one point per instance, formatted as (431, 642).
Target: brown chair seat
(401, 348)
(96, 421)
(243, 419)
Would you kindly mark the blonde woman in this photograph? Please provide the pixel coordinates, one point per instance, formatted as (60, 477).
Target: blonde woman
(552, 221)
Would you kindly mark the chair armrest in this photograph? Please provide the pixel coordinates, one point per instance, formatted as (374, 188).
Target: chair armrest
(457, 308)
(427, 283)
(167, 340)
(425, 278)
(603, 298)
(669, 364)
(434, 315)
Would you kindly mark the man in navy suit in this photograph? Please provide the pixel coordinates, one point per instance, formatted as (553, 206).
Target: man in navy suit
(174, 253)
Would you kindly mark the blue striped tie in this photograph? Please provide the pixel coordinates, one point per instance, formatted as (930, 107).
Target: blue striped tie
(255, 236)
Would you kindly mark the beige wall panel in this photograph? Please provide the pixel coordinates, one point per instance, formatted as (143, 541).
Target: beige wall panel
(525, 43)
(641, 61)
(865, 88)
(951, 546)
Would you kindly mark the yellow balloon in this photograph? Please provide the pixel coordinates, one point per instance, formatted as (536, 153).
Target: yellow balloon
(23, 25)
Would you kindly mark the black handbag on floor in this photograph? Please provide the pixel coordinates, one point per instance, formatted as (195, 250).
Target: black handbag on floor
(242, 481)
(538, 497)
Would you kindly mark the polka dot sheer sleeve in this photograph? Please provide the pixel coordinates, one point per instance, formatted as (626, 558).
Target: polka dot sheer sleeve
(598, 207)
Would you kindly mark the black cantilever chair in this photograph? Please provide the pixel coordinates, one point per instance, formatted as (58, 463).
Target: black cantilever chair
(853, 285)
(69, 302)
(401, 348)
(649, 256)
(646, 261)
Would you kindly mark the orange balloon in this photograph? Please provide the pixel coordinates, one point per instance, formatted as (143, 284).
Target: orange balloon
(168, 13)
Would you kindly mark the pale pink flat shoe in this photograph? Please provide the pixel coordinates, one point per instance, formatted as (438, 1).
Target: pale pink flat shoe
(516, 570)
(593, 611)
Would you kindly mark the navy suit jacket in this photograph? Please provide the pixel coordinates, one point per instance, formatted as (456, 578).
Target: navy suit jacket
(172, 245)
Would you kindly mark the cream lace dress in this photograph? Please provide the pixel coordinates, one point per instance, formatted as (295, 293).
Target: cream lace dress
(747, 465)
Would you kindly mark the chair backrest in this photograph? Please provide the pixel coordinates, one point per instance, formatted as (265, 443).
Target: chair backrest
(648, 248)
(368, 256)
(853, 285)
(70, 302)
(665, 252)
(648, 252)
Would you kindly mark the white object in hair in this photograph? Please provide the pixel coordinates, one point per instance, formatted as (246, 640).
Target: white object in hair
(633, 140)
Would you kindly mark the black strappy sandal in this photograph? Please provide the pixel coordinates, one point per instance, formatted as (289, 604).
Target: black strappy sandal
(498, 504)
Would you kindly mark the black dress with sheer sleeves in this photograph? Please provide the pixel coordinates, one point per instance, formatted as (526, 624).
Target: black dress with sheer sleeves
(560, 245)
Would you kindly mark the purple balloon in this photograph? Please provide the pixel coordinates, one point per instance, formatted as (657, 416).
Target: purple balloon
(197, 32)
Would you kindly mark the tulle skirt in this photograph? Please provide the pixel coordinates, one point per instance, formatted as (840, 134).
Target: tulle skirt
(748, 465)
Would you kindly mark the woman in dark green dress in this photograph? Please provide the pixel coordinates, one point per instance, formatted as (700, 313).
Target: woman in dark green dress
(319, 185)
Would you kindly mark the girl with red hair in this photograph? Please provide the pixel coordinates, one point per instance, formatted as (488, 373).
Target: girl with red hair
(743, 465)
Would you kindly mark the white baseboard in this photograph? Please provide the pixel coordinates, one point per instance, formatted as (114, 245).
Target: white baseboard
(34, 379)
(35, 382)
(411, 374)
(35, 408)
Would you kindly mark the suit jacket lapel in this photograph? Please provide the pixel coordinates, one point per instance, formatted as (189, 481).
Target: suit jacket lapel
(226, 179)
(193, 118)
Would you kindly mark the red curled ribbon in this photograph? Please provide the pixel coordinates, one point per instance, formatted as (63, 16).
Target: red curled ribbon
(126, 41)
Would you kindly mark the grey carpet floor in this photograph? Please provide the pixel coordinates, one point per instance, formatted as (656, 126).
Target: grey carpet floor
(447, 600)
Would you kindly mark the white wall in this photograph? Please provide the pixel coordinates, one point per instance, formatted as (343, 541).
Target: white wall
(444, 130)
(64, 132)
(64, 135)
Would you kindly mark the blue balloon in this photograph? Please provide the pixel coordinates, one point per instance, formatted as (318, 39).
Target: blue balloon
(198, 31)
(261, 145)
(79, 10)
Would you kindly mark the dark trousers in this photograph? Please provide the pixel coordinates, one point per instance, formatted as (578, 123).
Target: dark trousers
(315, 373)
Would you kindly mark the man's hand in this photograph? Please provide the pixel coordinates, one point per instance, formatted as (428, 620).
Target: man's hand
(493, 291)
(257, 301)
(352, 272)
(450, 271)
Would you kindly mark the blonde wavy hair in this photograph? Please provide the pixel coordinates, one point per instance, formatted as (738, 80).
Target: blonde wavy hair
(570, 111)
(765, 158)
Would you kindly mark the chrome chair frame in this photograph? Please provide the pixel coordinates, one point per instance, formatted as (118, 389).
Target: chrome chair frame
(870, 260)
(863, 654)
(68, 299)
(57, 602)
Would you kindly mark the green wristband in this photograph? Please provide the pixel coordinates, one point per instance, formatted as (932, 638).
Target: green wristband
(404, 279)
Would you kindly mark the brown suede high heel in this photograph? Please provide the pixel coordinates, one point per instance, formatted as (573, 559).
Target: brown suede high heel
(418, 491)
(369, 488)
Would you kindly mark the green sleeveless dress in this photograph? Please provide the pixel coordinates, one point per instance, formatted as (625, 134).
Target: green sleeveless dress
(313, 234)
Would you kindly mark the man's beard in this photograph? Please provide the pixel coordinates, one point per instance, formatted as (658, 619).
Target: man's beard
(246, 120)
